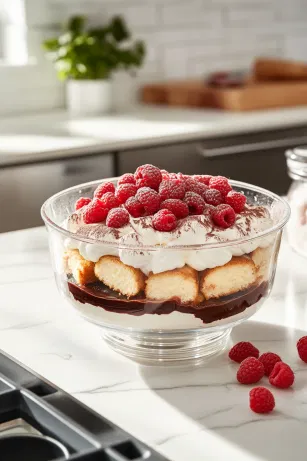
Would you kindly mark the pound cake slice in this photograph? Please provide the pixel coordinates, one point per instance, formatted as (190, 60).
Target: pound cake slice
(119, 277)
(81, 269)
(262, 258)
(225, 280)
(178, 283)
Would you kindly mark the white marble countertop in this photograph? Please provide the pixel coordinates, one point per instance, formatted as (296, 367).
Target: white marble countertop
(199, 414)
(54, 135)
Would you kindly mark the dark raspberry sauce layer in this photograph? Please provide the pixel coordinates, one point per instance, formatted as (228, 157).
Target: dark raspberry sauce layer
(209, 311)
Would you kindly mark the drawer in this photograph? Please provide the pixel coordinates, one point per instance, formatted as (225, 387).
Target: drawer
(24, 189)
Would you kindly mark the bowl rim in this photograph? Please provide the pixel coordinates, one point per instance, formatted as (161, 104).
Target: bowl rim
(278, 226)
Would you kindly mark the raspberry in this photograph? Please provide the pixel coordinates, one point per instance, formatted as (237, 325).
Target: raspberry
(194, 186)
(224, 216)
(172, 189)
(261, 400)
(220, 183)
(173, 176)
(208, 210)
(110, 201)
(103, 189)
(182, 176)
(94, 212)
(127, 178)
(150, 199)
(164, 221)
(148, 176)
(213, 197)
(178, 207)
(242, 351)
(81, 202)
(251, 371)
(203, 178)
(282, 376)
(236, 201)
(269, 359)
(124, 191)
(117, 217)
(302, 348)
(134, 207)
(195, 203)
(165, 175)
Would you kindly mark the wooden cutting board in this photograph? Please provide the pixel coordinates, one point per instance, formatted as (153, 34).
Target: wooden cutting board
(250, 96)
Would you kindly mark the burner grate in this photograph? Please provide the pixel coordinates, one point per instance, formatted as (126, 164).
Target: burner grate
(38, 411)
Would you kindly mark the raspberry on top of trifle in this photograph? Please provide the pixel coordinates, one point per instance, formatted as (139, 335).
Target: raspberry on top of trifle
(168, 212)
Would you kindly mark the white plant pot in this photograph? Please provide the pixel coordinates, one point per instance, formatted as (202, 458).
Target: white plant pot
(124, 91)
(88, 97)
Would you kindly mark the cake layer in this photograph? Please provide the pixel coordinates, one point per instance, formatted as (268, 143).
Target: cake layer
(178, 283)
(235, 276)
(80, 268)
(119, 277)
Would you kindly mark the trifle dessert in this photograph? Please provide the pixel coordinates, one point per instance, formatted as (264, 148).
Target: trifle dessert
(155, 253)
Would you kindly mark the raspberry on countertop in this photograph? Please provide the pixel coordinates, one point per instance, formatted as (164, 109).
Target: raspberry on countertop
(261, 400)
(243, 350)
(281, 376)
(251, 371)
(269, 359)
(302, 348)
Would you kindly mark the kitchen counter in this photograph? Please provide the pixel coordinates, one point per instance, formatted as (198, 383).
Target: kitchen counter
(54, 135)
(199, 414)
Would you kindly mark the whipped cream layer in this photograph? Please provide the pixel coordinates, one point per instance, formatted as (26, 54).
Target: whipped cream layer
(193, 230)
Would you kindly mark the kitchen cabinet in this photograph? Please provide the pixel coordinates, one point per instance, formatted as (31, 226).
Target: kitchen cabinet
(23, 189)
(256, 158)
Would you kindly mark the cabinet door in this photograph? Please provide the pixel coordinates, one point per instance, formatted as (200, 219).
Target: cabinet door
(176, 157)
(264, 169)
(24, 189)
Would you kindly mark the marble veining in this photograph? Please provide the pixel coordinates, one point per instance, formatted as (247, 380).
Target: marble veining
(199, 414)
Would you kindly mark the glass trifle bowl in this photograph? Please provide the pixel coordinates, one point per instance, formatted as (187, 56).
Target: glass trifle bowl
(166, 297)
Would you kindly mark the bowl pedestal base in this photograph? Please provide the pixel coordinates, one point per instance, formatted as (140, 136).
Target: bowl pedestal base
(179, 348)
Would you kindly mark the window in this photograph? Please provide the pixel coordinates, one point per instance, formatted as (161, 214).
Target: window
(13, 32)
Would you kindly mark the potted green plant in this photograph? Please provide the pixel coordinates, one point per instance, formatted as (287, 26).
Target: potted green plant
(87, 59)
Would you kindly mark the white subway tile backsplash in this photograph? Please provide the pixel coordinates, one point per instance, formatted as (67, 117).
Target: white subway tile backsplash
(192, 12)
(136, 14)
(202, 67)
(40, 13)
(251, 15)
(180, 34)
